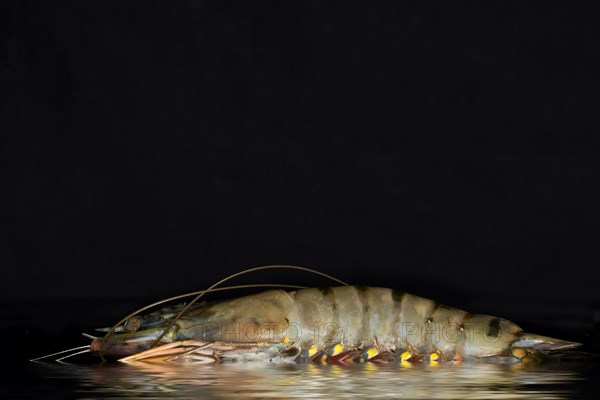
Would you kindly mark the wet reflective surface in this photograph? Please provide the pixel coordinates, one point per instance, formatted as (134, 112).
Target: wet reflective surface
(264, 380)
(29, 330)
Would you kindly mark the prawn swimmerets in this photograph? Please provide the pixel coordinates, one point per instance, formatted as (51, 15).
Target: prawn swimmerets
(333, 324)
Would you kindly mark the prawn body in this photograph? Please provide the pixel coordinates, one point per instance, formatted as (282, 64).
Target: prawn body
(333, 324)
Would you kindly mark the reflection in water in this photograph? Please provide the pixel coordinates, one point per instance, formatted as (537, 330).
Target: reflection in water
(260, 380)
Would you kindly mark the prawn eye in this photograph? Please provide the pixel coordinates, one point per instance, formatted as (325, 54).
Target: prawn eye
(133, 324)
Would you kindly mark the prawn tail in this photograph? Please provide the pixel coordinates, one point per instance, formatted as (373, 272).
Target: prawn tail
(543, 343)
(530, 347)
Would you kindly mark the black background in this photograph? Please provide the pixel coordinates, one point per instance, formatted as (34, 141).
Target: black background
(445, 148)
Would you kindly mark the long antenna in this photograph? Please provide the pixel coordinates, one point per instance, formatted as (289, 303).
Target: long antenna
(214, 288)
(164, 332)
(60, 352)
(181, 296)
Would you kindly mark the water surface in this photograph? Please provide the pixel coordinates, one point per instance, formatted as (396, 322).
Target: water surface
(276, 380)
(29, 330)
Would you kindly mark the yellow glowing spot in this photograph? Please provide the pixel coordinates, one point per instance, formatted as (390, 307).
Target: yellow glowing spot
(405, 356)
(286, 339)
(312, 351)
(337, 349)
(372, 352)
(405, 364)
(519, 352)
(433, 356)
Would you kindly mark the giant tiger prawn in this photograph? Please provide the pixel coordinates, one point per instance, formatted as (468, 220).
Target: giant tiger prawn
(340, 324)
